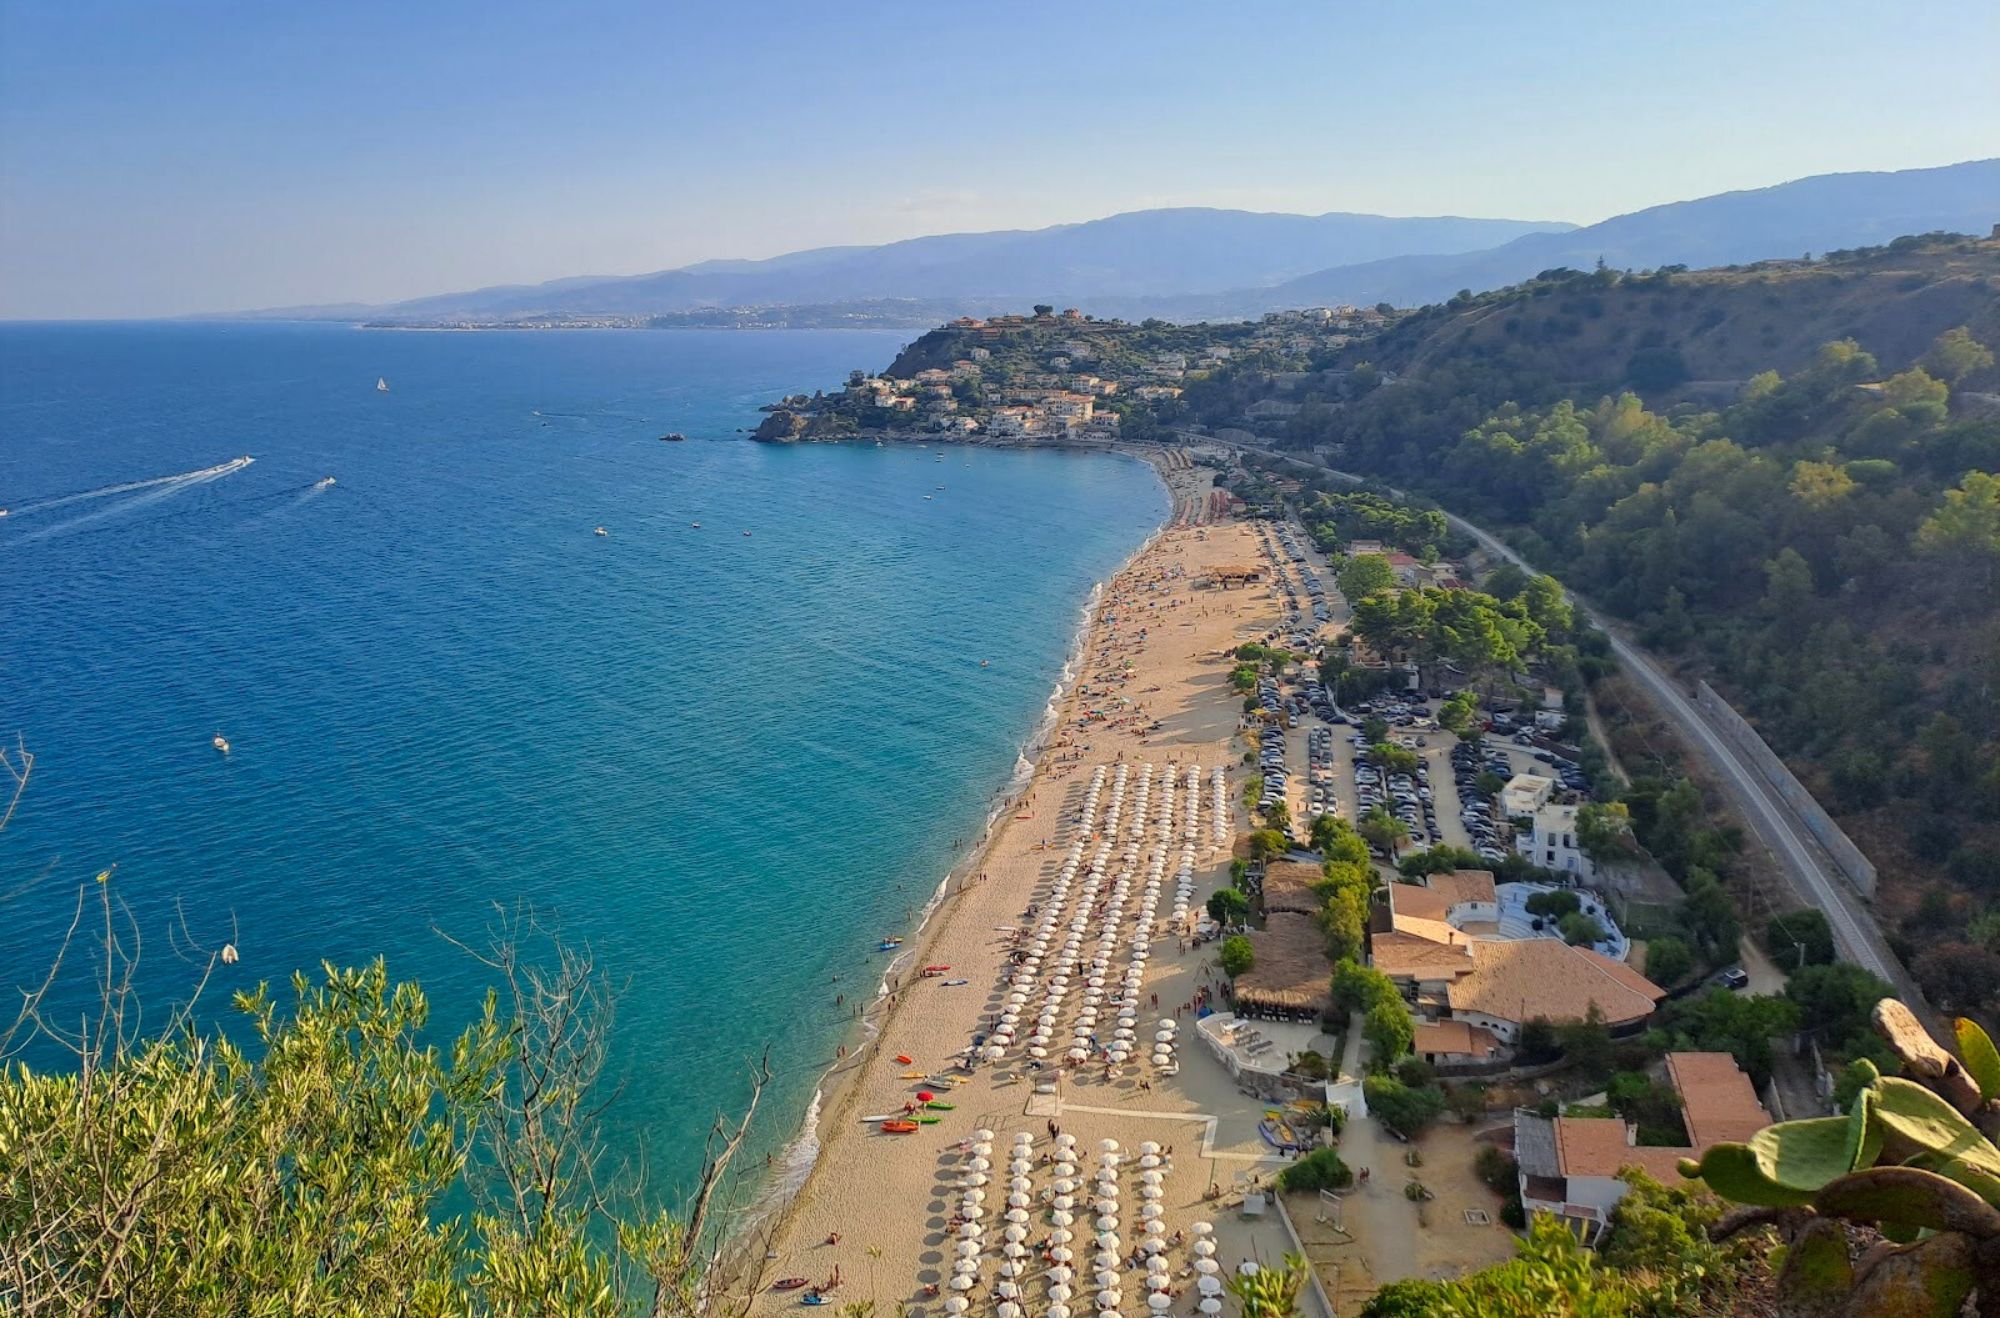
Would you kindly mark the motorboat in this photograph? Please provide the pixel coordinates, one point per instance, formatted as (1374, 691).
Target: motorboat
(325, 482)
(220, 743)
(673, 437)
(601, 531)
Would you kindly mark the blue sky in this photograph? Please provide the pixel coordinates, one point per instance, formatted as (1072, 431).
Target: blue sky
(170, 156)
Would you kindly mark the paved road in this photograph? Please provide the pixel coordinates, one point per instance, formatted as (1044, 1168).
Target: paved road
(1816, 884)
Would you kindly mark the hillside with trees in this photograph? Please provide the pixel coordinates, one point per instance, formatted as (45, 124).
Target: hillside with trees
(1821, 538)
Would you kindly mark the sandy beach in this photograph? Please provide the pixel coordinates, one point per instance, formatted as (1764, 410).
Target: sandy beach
(883, 1212)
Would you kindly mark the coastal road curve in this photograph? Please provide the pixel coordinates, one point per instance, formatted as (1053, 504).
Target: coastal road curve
(1814, 882)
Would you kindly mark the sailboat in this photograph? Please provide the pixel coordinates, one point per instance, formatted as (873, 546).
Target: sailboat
(381, 385)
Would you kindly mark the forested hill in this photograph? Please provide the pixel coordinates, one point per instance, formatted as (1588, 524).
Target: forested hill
(1820, 537)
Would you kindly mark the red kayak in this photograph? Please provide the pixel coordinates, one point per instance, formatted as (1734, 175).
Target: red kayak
(900, 1127)
(788, 1283)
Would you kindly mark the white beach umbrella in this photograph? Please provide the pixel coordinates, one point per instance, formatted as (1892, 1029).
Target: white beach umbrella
(1061, 1218)
(982, 1136)
(1017, 1215)
(1149, 1212)
(1110, 1297)
(1210, 1305)
(956, 1304)
(1010, 1268)
(1020, 1166)
(967, 1249)
(1150, 1161)
(979, 1164)
(1065, 1140)
(1063, 1202)
(1059, 1311)
(1107, 1241)
(973, 1212)
(1151, 1192)
(1009, 1310)
(1209, 1285)
(960, 1283)
(1156, 1266)
(1150, 1177)
(1014, 1249)
(969, 1230)
(975, 1196)
(1107, 1146)
(1202, 1229)
(973, 1179)
(1207, 1267)
(1152, 1244)
(1060, 1292)
(1160, 1301)
(1205, 1248)
(1107, 1223)
(1061, 1236)
(1007, 1289)
(1062, 1253)
(1018, 1201)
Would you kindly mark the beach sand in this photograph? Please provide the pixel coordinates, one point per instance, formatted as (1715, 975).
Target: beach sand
(876, 1206)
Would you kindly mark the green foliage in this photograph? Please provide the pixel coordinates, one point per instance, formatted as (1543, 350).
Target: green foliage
(1337, 842)
(1587, 1043)
(1364, 575)
(1800, 938)
(1740, 1024)
(1669, 960)
(1399, 1107)
(1227, 906)
(1834, 1001)
(1389, 1031)
(1236, 955)
(1499, 1171)
(1273, 1292)
(1393, 758)
(1266, 843)
(313, 1161)
(1321, 1169)
(1382, 829)
(1580, 930)
(1362, 988)
(1604, 830)
(1458, 713)
(1555, 903)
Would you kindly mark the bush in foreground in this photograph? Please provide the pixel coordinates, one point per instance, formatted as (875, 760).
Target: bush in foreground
(1321, 1169)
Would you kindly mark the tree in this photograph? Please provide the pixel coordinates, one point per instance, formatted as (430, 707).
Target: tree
(1337, 842)
(1669, 960)
(1227, 906)
(1236, 955)
(1389, 1032)
(1363, 575)
(1458, 713)
(1266, 843)
(314, 1160)
(1834, 1000)
(1956, 354)
(1580, 930)
(1959, 976)
(1800, 938)
(1538, 1042)
(1719, 1021)
(1383, 830)
(1604, 830)
(1362, 988)
(1554, 903)
(1967, 524)
(1587, 1043)
(1393, 758)
(1708, 916)
(1788, 590)
(1402, 1109)
(1279, 816)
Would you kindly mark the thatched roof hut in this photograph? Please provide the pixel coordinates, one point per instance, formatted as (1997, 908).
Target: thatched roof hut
(1291, 979)
(1288, 886)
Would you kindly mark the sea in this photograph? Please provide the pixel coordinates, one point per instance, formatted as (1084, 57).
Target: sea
(726, 746)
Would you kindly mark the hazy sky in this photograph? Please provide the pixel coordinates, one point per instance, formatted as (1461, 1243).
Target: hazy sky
(169, 156)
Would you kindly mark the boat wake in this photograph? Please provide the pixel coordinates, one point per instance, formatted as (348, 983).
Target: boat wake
(143, 493)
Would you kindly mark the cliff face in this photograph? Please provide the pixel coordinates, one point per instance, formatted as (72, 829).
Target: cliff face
(780, 427)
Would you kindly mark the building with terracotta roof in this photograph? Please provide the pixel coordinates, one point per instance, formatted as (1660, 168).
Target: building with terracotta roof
(1514, 981)
(1569, 1165)
(1449, 1043)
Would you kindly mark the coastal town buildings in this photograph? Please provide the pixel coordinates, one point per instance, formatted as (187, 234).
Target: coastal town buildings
(1569, 1165)
(1444, 944)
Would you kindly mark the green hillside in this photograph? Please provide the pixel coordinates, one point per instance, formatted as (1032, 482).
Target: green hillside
(1820, 537)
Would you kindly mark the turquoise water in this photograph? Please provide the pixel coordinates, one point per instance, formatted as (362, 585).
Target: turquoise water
(728, 763)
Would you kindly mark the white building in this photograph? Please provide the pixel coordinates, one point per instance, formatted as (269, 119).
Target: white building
(1551, 842)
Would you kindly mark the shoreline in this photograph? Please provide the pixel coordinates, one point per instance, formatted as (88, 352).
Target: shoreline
(798, 1158)
(1149, 696)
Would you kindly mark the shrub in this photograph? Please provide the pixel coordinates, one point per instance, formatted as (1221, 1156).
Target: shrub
(1321, 1169)
(1402, 1109)
(1361, 988)
(1500, 1172)
(1310, 1065)
(1668, 961)
(1389, 1031)
(1416, 1072)
(1580, 930)
(1800, 938)
(1227, 906)
(1236, 955)
(1514, 1213)
(1555, 904)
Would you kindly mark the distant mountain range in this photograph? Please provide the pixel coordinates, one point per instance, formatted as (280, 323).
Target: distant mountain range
(1194, 263)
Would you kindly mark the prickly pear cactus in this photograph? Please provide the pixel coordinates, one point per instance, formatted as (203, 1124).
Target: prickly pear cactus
(1912, 1159)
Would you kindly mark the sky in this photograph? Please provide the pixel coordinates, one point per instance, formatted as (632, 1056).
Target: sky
(177, 156)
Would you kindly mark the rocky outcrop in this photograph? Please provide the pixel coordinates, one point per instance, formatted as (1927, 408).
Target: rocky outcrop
(782, 426)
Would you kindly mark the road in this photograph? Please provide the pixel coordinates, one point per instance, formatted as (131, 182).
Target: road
(1814, 882)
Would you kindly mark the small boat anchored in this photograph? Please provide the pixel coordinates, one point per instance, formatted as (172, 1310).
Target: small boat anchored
(673, 437)
(220, 743)
(324, 482)
(381, 384)
(600, 531)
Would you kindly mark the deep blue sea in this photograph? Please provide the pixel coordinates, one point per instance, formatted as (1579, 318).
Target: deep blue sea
(728, 763)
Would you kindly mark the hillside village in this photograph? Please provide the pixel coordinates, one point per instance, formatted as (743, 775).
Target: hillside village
(1051, 377)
